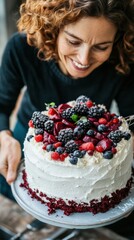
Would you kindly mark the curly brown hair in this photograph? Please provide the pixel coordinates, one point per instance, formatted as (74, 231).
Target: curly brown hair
(43, 19)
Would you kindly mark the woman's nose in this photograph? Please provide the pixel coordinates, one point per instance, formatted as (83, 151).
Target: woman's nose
(84, 55)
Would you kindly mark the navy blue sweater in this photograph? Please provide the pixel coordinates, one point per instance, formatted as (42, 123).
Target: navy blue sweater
(45, 83)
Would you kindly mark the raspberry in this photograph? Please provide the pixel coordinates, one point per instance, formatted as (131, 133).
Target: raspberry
(38, 138)
(30, 124)
(89, 103)
(55, 155)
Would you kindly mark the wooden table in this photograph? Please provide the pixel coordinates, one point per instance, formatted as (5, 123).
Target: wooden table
(13, 217)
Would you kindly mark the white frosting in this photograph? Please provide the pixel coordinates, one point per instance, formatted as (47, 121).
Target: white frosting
(92, 178)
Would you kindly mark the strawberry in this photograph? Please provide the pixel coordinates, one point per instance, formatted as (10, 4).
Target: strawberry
(87, 146)
(38, 138)
(99, 148)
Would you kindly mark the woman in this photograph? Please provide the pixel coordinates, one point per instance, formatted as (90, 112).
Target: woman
(65, 48)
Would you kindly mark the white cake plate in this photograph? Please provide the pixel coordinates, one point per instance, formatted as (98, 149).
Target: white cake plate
(75, 220)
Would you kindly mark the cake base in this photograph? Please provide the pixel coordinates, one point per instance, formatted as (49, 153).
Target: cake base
(76, 220)
(94, 206)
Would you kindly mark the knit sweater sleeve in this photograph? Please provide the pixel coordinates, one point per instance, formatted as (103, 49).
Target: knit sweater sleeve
(10, 82)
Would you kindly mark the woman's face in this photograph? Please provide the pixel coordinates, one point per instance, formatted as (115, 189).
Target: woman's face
(84, 45)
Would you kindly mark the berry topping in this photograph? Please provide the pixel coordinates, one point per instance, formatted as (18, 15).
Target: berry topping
(73, 160)
(71, 146)
(77, 128)
(96, 111)
(81, 109)
(87, 146)
(82, 99)
(108, 154)
(38, 138)
(68, 114)
(126, 135)
(102, 128)
(39, 119)
(48, 126)
(65, 135)
(29, 137)
(116, 136)
(39, 131)
(55, 156)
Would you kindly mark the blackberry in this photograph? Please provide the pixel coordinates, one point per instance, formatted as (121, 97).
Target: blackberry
(39, 119)
(95, 111)
(84, 124)
(82, 99)
(115, 136)
(81, 109)
(39, 131)
(71, 146)
(65, 135)
(68, 113)
(48, 126)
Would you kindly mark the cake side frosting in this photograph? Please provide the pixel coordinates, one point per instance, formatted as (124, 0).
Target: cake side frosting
(103, 168)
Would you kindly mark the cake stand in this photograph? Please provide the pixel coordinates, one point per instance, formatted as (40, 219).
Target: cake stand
(75, 220)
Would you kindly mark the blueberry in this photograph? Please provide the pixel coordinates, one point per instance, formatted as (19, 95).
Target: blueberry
(49, 147)
(126, 135)
(78, 132)
(77, 153)
(90, 133)
(60, 150)
(102, 128)
(73, 160)
(108, 154)
(29, 138)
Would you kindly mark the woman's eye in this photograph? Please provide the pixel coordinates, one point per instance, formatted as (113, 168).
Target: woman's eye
(74, 43)
(99, 48)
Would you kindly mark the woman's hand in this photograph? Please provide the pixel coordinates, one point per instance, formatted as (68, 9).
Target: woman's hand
(10, 155)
